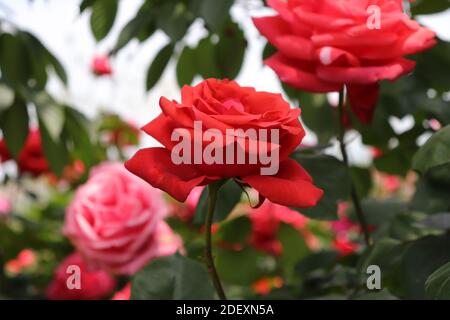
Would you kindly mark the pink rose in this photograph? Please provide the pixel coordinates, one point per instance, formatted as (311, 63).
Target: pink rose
(116, 221)
(93, 284)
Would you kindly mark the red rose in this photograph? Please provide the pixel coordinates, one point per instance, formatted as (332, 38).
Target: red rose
(93, 284)
(31, 159)
(223, 105)
(266, 222)
(325, 44)
(100, 65)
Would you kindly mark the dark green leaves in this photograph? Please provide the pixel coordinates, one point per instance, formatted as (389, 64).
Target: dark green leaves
(438, 283)
(14, 124)
(213, 12)
(435, 152)
(15, 62)
(186, 69)
(332, 176)
(159, 65)
(420, 260)
(429, 7)
(172, 278)
(102, 17)
(228, 197)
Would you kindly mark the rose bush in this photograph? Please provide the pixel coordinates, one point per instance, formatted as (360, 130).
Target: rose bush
(324, 45)
(116, 221)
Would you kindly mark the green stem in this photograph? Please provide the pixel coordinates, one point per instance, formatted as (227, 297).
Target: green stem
(213, 188)
(354, 195)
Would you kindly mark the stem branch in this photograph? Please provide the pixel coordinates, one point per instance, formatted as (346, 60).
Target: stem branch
(208, 251)
(354, 195)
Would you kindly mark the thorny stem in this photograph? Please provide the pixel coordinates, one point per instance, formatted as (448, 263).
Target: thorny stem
(208, 251)
(354, 195)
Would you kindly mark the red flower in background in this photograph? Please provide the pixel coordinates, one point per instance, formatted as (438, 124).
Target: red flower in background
(94, 285)
(265, 285)
(25, 259)
(323, 45)
(221, 105)
(100, 65)
(265, 224)
(116, 221)
(31, 159)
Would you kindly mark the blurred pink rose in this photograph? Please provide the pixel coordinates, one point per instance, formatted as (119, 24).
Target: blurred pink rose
(116, 221)
(93, 284)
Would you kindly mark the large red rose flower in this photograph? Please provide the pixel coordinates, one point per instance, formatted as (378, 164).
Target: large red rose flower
(222, 105)
(325, 44)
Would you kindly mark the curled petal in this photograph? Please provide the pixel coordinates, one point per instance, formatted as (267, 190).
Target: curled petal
(291, 186)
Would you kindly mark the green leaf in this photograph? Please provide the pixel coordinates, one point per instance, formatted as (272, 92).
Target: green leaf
(387, 254)
(323, 260)
(240, 267)
(205, 59)
(317, 113)
(76, 128)
(86, 4)
(158, 65)
(420, 260)
(15, 64)
(325, 171)
(143, 20)
(102, 17)
(172, 278)
(215, 13)
(438, 283)
(379, 212)
(235, 231)
(174, 19)
(14, 123)
(429, 7)
(431, 197)
(42, 57)
(294, 247)
(186, 70)
(230, 50)
(51, 122)
(228, 197)
(430, 65)
(435, 152)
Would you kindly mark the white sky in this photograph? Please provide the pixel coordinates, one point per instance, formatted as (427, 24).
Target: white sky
(67, 34)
